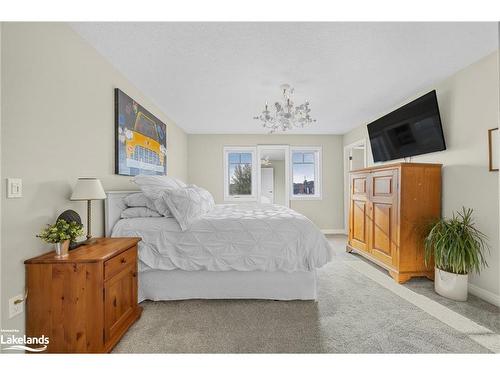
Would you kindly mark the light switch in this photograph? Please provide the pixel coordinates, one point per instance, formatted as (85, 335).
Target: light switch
(14, 188)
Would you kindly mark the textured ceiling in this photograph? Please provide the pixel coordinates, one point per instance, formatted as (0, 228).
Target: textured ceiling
(214, 77)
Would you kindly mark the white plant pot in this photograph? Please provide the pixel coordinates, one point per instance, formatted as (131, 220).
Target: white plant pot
(451, 285)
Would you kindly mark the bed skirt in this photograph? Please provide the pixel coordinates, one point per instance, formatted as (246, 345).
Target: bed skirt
(159, 285)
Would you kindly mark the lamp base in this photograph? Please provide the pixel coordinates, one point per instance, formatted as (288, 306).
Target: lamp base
(90, 240)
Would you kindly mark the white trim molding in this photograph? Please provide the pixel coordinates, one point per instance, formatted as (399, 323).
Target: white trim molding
(484, 294)
(333, 231)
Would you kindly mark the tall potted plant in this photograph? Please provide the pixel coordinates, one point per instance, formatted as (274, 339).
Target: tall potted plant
(458, 248)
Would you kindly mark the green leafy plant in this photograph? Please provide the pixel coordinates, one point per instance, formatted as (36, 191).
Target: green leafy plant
(456, 244)
(61, 231)
(241, 182)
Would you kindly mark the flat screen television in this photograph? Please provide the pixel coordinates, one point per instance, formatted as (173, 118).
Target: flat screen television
(413, 129)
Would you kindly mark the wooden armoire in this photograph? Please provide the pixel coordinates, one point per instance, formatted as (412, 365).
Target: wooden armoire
(389, 207)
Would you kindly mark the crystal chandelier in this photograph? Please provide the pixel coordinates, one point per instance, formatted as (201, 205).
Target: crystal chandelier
(286, 115)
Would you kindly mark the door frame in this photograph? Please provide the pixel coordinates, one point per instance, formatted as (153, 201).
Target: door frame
(347, 182)
(286, 150)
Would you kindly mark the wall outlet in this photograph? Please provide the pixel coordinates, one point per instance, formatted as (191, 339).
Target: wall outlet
(16, 305)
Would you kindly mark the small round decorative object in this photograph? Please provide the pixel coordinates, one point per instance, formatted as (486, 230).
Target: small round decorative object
(69, 216)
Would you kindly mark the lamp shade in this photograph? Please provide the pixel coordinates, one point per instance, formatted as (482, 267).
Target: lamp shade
(88, 189)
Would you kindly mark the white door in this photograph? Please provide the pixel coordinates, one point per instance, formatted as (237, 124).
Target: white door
(357, 158)
(267, 185)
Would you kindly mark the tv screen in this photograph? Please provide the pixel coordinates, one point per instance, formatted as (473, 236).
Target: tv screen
(413, 129)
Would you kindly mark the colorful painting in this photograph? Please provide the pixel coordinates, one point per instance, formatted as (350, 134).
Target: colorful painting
(141, 139)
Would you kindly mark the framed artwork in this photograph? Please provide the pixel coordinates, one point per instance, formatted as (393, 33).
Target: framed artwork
(140, 139)
(493, 150)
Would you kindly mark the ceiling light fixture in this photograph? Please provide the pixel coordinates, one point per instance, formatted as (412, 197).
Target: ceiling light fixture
(265, 162)
(287, 116)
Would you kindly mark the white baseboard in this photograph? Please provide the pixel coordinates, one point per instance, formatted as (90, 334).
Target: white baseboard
(333, 231)
(484, 294)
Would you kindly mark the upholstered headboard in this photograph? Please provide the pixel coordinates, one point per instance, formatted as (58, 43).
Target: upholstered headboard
(113, 207)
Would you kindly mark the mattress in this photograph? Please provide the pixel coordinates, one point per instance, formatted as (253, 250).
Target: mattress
(240, 237)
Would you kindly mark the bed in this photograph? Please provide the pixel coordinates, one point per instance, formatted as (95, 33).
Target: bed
(236, 251)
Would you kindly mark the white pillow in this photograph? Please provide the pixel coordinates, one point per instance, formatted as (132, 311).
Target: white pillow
(132, 212)
(188, 203)
(154, 186)
(155, 183)
(138, 200)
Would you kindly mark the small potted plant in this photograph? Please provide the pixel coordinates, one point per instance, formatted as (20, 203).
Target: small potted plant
(458, 248)
(61, 234)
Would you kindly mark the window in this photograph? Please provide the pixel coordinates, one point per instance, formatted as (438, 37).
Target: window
(306, 173)
(240, 173)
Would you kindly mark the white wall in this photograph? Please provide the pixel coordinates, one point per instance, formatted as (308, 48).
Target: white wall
(58, 124)
(469, 106)
(206, 168)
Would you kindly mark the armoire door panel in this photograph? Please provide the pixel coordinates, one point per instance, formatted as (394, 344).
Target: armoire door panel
(359, 221)
(359, 185)
(384, 223)
(382, 185)
(358, 215)
(382, 231)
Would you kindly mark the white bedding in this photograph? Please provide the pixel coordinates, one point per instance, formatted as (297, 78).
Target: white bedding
(242, 237)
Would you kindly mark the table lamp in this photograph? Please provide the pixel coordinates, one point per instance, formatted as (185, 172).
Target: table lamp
(88, 189)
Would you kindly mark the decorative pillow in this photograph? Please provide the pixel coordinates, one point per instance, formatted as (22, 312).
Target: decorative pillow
(132, 212)
(188, 203)
(154, 187)
(138, 200)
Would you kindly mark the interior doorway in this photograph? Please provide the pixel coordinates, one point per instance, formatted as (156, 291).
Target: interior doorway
(273, 174)
(355, 157)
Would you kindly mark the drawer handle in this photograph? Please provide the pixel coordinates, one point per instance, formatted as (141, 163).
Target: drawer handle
(123, 260)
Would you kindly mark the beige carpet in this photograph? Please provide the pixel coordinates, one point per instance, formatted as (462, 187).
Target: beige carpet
(352, 315)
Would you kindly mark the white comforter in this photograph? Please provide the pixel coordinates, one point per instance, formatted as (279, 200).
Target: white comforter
(243, 237)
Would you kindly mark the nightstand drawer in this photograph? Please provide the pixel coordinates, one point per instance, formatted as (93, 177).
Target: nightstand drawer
(119, 262)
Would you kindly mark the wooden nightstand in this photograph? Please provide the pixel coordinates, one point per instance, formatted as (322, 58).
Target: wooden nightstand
(83, 303)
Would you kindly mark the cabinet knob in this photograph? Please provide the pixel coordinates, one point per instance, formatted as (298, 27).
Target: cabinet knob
(124, 260)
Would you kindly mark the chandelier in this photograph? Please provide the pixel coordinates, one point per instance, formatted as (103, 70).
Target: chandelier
(286, 115)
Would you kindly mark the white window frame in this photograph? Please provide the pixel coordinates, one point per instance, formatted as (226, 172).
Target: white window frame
(240, 198)
(318, 151)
